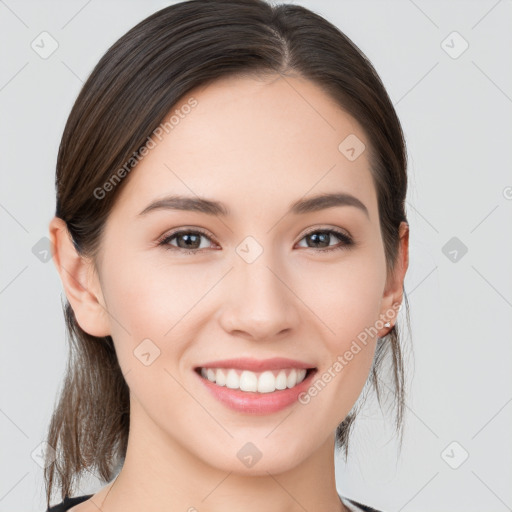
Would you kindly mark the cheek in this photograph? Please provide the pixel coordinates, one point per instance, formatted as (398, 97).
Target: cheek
(156, 312)
(346, 297)
(152, 300)
(151, 310)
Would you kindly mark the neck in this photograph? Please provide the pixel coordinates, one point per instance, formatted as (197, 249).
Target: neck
(160, 474)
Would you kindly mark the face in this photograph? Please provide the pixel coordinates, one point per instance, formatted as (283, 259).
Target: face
(253, 280)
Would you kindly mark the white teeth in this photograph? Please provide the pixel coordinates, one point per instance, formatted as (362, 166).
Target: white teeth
(292, 379)
(248, 381)
(264, 382)
(220, 377)
(281, 380)
(232, 380)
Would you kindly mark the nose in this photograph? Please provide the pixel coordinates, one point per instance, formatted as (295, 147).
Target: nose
(260, 304)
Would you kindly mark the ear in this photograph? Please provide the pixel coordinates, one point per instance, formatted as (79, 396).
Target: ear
(393, 294)
(80, 281)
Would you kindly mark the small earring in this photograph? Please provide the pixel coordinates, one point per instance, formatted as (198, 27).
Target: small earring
(387, 324)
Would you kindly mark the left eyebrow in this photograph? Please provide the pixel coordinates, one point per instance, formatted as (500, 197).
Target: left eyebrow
(210, 207)
(323, 201)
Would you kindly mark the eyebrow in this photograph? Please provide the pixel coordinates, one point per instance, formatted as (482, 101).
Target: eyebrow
(210, 207)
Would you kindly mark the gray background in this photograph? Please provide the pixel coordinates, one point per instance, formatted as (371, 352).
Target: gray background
(456, 114)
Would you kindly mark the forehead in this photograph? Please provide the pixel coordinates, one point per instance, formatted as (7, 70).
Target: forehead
(253, 142)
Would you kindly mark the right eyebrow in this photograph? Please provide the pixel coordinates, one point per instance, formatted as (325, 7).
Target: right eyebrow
(186, 203)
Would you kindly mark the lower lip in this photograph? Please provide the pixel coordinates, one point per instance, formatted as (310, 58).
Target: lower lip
(257, 403)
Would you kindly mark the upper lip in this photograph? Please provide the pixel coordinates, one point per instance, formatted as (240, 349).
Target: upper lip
(257, 365)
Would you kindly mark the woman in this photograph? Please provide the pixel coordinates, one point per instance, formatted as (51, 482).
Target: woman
(231, 235)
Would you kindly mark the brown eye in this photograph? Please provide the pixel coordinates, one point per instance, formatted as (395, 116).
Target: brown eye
(321, 239)
(187, 240)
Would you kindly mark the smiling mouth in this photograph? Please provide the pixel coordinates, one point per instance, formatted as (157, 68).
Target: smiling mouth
(267, 381)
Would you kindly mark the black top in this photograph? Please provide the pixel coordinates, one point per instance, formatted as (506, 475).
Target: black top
(68, 503)
(71, 502)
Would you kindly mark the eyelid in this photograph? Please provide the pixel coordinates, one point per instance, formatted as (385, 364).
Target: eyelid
(185, 229)
(327, 228)
(346, 239)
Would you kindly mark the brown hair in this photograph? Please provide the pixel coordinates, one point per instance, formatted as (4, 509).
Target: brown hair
(128, 94)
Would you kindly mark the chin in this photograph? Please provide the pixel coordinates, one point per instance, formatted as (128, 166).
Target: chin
(256, 456)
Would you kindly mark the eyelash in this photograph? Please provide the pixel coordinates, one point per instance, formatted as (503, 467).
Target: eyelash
(345, 239)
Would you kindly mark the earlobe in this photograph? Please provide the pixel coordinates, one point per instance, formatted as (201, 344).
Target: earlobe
(80, 282)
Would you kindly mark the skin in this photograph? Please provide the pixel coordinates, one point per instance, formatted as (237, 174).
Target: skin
(257, 145)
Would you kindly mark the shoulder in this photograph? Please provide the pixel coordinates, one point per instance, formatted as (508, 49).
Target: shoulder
(356, 506)
(68, 503)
